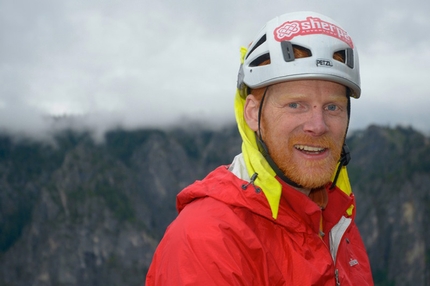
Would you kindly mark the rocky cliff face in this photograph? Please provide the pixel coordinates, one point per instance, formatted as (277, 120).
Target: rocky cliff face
(390, 174)
(80, 213)
(83, 213)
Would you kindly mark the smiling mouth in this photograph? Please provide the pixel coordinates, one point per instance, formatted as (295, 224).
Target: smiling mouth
(310, 149)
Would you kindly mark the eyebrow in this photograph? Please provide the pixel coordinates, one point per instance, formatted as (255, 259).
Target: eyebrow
(303, 96)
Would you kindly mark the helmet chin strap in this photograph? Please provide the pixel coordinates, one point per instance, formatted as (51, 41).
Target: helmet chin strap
(279, 173)
(265, 151)
(345, 156)
(343, 161)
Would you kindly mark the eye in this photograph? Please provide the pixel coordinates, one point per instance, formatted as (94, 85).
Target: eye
(332, 107)
(296, 106)
(293, 105)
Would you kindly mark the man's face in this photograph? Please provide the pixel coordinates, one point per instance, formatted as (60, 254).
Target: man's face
(303, 124)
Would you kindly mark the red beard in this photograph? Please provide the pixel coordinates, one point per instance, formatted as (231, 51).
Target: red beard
(308, 173)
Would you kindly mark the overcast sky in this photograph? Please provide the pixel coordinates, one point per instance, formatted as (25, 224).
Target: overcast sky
(153, 63)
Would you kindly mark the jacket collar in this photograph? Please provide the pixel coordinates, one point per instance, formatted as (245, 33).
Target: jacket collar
(225, 186)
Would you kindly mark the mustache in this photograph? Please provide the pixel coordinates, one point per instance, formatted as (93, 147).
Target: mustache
(323, 141)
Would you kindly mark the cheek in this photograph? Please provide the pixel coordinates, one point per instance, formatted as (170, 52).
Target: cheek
(338, 127)
(276, 126)
(279, 119)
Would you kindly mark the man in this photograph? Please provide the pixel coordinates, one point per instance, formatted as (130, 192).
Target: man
(283, 212)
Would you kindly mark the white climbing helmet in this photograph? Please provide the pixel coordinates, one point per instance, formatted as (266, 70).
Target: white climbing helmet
(316, 33)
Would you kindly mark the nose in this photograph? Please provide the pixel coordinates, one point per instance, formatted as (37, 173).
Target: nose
(316, 122)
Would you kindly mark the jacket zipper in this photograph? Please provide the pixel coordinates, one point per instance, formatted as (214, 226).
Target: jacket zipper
(336, 271)
(336, 275)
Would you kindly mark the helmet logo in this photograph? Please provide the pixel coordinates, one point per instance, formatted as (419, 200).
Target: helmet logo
(324, 63)
(310, 26)
(287, 31)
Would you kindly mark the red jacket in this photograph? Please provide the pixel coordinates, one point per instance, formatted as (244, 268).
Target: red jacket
(225, 235)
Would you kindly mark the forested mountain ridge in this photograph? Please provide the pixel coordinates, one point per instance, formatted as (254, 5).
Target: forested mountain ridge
(76, 212)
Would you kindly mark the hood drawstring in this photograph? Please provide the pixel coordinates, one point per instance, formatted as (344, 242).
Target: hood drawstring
(251, 182)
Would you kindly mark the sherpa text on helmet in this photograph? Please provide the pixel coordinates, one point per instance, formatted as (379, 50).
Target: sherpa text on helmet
(319, 34)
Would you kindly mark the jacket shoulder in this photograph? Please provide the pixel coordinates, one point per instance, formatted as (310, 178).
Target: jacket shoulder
(205, 245)
(207, 218)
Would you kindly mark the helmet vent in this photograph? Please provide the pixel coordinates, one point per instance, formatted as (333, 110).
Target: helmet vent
(261, 61)
(345, 56)
(301, 52)
(292, 52)
(257, 44)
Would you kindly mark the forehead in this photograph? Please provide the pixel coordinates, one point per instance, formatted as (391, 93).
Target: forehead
(303, 88)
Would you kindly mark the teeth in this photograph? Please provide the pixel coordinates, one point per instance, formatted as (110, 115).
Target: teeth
(309, 148)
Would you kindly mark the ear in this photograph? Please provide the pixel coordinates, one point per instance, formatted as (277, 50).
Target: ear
(250, 112)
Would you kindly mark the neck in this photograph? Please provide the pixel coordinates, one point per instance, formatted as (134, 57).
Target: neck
(303, 190)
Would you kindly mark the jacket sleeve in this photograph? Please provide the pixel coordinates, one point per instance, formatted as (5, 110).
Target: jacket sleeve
(207, 245)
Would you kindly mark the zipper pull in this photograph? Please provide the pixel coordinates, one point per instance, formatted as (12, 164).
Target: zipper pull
(336, 275)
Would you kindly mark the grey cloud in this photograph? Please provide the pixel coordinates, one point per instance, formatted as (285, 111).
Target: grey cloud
(142, 62)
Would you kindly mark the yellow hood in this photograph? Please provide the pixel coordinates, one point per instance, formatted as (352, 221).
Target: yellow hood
(256, 163)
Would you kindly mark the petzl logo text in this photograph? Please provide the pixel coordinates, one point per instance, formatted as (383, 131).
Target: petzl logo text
(324, 63)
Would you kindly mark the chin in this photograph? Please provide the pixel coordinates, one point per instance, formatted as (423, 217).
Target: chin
(314, 184)
(311, 179)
